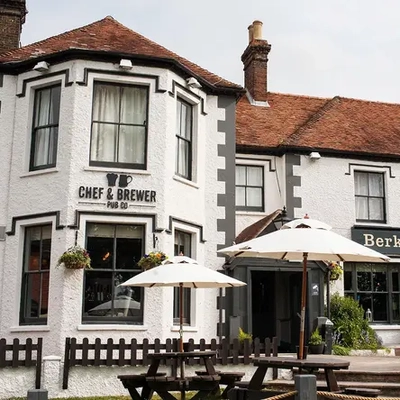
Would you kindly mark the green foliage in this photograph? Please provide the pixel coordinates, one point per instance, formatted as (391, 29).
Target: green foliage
(315, 338)
(75, 257)
(243, 336)
(339, 350)
(351, 329)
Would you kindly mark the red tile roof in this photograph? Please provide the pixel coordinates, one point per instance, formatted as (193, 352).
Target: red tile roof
(338, 124)
(108, 35)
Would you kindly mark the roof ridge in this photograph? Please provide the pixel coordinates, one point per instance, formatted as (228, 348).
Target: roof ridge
(299, 95)
(60, 35)
(328, 105)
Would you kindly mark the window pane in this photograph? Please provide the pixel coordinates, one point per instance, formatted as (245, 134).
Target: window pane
(132, 142)
(133, 105)
(379, 278)
(240, 196)
(363, 279)
(395, 307)
(254, 197)
(104, 142)
(183, 158)
(361, 208)
(185, 120)
(106, 103)
(36, 274)
(361, 183)
(98, 290)
(254, 176)
(348, 280)
(395, 280)
(379, 312)
(240, 175)
(365, 301)
(128, 253)
(376, 209)
(183, 244)
(54, 105)
(101, 250)
(42, 107)
(376, 185)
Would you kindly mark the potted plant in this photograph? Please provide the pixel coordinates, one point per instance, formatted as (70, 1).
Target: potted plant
(151, 260)
(75, 257)
(316, 344)
(243, 337)
(336, 271)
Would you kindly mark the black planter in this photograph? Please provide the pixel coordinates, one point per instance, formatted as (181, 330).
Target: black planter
(316, 348)
(305, 352)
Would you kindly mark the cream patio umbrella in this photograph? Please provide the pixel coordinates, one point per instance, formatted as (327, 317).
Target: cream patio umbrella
(182, 272)
(304, 243)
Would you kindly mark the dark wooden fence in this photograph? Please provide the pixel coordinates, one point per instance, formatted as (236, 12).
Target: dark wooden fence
(22, 355)
(132, 353)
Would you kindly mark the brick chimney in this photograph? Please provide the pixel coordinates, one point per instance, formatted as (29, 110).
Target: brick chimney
(255, 59)
(12, 16)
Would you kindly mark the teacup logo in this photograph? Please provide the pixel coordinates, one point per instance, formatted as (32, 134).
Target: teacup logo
(111, 179)
(124, 180)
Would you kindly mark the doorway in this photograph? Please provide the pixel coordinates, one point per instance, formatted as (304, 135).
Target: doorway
(275, 307)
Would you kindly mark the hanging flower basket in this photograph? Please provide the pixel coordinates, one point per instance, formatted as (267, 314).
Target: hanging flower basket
(336, 271)
(75, 257)
(151, 260)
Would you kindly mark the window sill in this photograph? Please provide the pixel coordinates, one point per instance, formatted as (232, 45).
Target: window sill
(251, 213)
(30, 328)
(114, 327)
(186, 182)
(372, 224)
(39, 172)
(382, 327)
(175, 328)
(119, 170)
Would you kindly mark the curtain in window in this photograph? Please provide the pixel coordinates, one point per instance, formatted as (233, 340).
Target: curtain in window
(119, 124)
(254, 189)
(47, 109)
(184, 133)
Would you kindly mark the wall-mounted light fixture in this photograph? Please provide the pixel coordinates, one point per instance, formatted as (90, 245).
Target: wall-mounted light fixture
(314, 155)
(193, 83)
(125, 64)
(41, 66)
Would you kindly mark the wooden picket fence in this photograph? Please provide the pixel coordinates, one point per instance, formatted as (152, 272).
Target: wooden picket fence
(132, 353)
(16, 355)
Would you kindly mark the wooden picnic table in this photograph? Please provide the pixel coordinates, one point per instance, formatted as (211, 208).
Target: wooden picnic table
(329, 365)
(163, 384)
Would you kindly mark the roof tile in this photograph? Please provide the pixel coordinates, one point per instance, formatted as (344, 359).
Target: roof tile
(109, 35)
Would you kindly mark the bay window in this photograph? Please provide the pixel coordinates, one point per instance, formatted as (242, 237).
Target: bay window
(45, 128)
(114, 251)
(182, 247)
(119, 126)
(36, 275)
(184, 124)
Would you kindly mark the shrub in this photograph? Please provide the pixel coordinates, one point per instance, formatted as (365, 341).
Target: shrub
(243, 336)
(351, 329)
(315, 338)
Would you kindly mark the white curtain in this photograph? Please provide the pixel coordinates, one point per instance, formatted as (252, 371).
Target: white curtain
(369, 196)
(42, 138)
(184, 132)
(119, 118)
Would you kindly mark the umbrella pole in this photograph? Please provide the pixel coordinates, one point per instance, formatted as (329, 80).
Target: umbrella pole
(303, 306)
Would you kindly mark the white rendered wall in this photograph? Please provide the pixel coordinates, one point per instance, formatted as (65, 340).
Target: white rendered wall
(56, 189)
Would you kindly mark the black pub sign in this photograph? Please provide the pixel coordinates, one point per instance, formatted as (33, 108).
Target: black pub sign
(384, 240)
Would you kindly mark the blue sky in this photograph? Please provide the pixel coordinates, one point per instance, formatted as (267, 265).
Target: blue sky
(319, 48)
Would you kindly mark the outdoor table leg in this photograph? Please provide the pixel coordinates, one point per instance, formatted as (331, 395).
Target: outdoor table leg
(209, 366)
(134, 394)
(201, 394)
(166, 395)
(331, 380)
(146, 391)
(258, 378)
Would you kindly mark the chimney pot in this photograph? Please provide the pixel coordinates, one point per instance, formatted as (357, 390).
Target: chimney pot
(250, 28)
(257, 30)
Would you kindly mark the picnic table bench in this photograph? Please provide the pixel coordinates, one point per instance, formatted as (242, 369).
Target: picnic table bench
(230, 379)
(163, 384)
